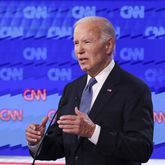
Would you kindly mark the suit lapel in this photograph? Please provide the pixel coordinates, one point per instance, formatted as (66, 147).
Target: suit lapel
(108, 89)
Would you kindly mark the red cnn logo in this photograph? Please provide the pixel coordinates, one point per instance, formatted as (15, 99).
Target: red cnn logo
(31, 94)
(14, 115)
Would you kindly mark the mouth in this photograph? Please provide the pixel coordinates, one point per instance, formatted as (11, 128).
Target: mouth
(82, 60)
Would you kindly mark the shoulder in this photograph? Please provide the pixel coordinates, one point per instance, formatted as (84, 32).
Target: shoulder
(75, 84)
(131, 81)
(78, 81)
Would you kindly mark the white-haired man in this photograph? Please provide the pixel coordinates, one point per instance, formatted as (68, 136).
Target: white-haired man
(107, 123)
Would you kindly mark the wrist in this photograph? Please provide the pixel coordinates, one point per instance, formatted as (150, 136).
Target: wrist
(91, 130)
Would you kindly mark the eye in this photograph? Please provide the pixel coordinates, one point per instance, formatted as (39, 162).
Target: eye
(87, 41)
(75, 42)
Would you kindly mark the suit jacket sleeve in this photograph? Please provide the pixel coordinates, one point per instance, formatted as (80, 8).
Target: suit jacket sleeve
(53, 147)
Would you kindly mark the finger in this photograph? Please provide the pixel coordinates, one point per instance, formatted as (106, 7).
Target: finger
(68, 126)
(76, 109)
(79, 113)
(32, 141)
(33, 133)
(33, 126)
(68, 117)
(44, 121)
(32, 136)
(67, 122)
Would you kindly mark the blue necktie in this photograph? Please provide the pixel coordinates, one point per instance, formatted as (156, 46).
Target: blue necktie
(87, 96)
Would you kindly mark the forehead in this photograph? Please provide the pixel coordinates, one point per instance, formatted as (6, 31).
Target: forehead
(87, 29)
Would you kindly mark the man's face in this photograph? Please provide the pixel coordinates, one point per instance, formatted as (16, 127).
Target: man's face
(92, 53)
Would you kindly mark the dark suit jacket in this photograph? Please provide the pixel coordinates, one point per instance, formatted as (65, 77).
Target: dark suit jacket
(126, 118)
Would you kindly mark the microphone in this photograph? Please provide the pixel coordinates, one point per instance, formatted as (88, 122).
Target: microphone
(61, 104)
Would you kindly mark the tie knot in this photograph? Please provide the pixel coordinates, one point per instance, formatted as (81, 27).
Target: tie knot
(91, 82)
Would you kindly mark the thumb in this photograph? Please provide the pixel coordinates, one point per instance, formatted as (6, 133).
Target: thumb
(44, 121)
(77, 112)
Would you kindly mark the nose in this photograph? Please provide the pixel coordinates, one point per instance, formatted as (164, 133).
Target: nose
(79, 49)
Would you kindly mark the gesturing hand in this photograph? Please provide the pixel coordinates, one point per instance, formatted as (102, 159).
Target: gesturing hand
(79, 124)
(34, 132)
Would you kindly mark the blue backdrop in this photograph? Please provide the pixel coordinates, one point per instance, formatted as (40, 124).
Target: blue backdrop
(37, 58)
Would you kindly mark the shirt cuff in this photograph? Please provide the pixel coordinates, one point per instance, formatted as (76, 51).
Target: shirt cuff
(95, 136)
(34, 148)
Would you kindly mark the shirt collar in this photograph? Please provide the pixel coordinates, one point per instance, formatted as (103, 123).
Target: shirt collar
(101, 77)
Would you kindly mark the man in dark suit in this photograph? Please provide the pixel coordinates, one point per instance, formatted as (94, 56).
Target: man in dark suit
(117, 127)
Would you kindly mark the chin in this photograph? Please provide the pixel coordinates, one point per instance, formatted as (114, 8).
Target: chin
(85, 69)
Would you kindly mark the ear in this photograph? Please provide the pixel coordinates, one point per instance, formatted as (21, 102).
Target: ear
(109, 46)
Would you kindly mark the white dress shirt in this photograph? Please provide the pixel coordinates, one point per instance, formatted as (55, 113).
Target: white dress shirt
(101, 77)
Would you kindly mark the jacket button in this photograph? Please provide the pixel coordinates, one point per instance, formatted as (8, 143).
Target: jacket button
(76, 157)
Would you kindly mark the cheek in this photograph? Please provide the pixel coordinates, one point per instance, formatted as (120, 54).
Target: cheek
(75, 50)
(98, 58)
(75, 53)
(93, 60)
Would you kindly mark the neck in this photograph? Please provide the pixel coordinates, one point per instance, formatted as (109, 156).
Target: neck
(96, 72)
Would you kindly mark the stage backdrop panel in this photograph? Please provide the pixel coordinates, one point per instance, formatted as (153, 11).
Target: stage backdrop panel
(37, 58)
